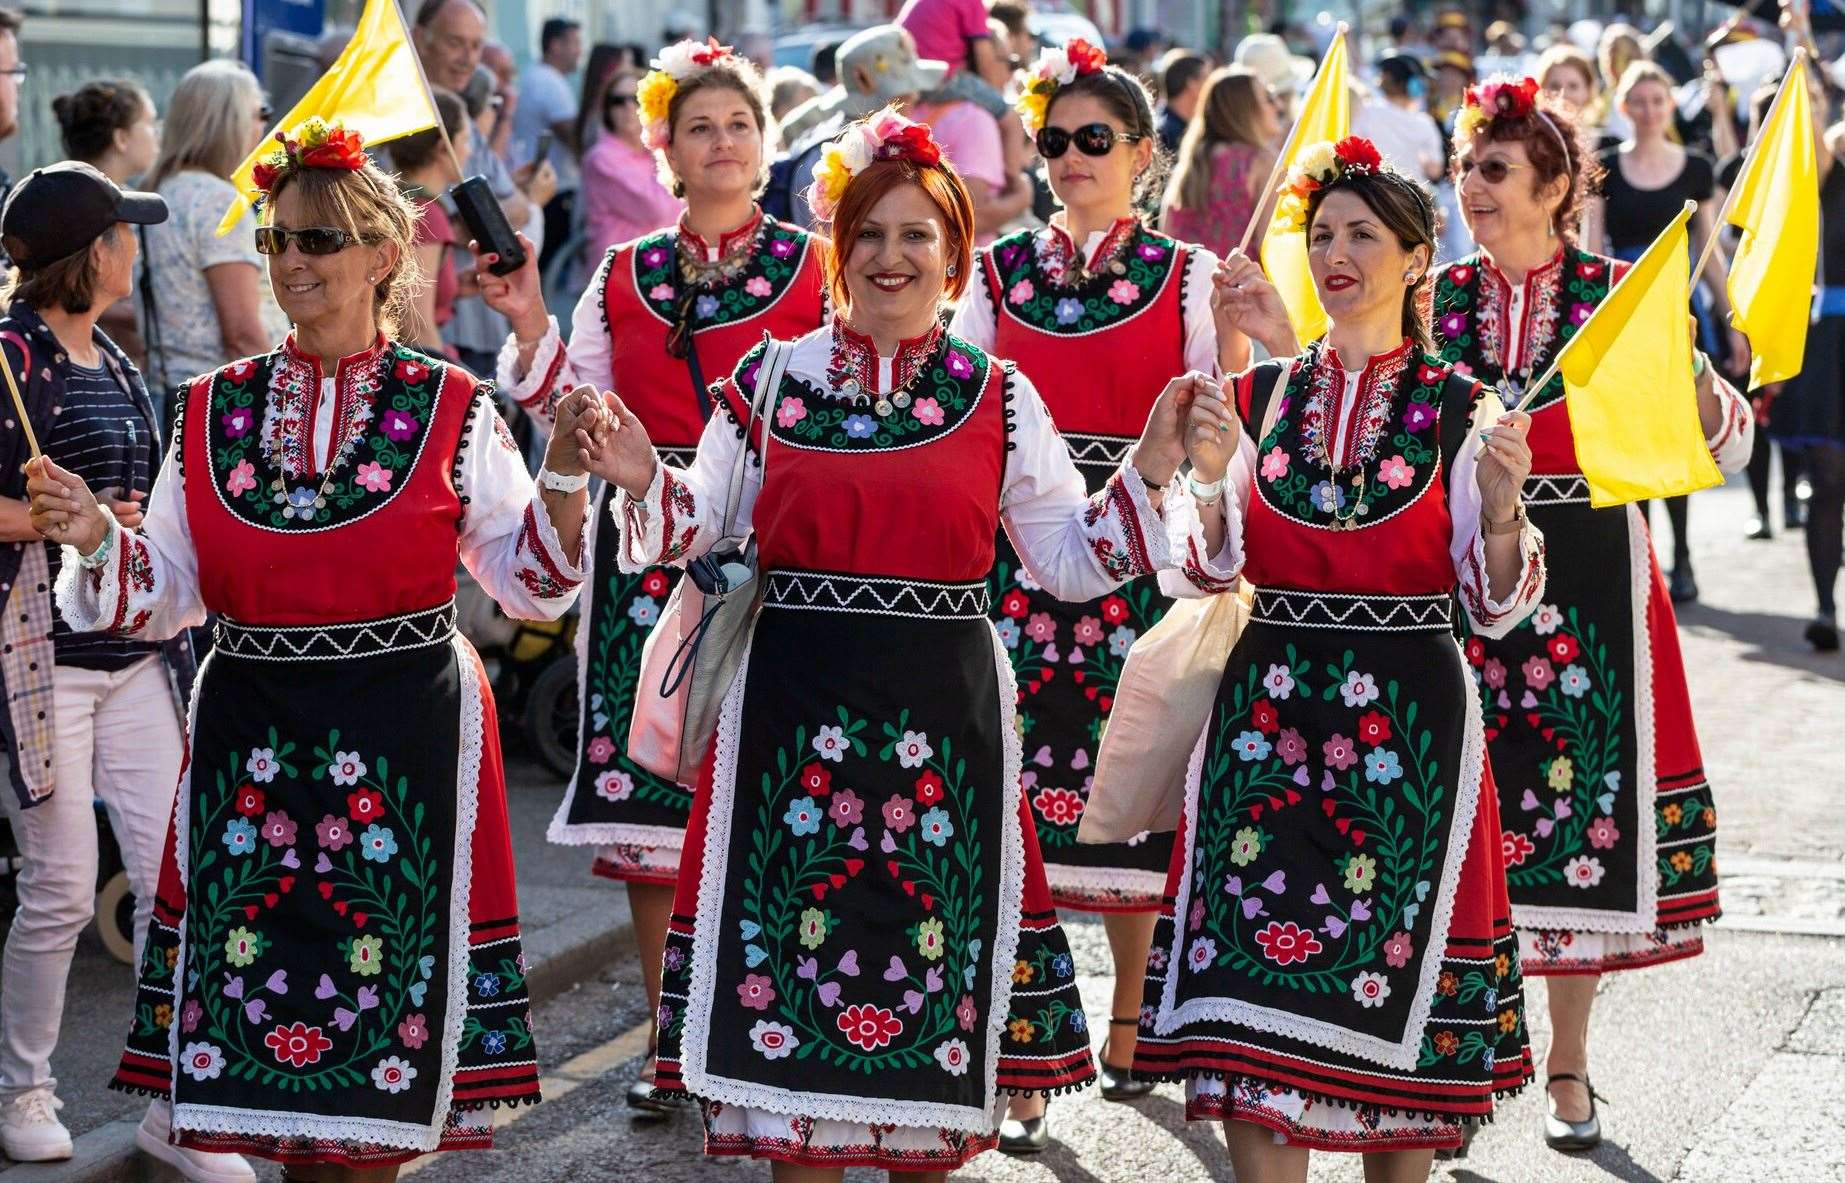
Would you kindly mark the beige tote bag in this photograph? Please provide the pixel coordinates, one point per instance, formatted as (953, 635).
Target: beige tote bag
(1162, 704)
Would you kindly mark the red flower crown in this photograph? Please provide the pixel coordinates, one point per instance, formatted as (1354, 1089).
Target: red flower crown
(315, 144)
(1499, 97)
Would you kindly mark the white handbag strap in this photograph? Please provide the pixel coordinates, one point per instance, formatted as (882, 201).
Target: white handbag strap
(769, 374)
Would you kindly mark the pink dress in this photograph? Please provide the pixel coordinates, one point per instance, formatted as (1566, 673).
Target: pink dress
(1219, 224)
(623, 196)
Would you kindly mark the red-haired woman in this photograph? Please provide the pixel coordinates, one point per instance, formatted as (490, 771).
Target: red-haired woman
(863, 957)
(1609, 825)
(1098, 309)
(667, 314)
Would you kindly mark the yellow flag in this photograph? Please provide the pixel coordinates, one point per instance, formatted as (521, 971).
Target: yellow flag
(1325, 116)
(1776, 206)
(1633, 403)
(376, 88)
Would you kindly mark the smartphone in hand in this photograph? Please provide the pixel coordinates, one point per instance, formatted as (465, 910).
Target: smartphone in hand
(486, 222)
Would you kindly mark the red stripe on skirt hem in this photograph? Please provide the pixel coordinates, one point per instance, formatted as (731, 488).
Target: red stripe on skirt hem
(742, 1147)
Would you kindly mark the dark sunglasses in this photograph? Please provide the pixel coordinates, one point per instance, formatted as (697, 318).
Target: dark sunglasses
(1091, 139)
(619, 100)
(1492, 168)
(313, 240)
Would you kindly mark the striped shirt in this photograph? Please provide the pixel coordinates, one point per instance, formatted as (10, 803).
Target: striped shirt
(102, 437)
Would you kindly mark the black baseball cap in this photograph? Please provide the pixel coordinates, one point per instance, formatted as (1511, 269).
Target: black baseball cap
(1401, 67)
(62, 208)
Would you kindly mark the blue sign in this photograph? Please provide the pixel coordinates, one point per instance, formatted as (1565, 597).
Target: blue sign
(305, 18)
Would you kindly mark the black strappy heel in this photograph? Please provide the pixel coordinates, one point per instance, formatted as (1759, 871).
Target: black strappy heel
(1572, 1137)
(1118, 1083)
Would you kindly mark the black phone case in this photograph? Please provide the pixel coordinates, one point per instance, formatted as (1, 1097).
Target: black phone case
(486, 221)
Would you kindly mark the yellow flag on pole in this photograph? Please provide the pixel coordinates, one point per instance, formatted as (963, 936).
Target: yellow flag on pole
(1776, 206)
(1325, 117)
(376, 88)
(1633, 403)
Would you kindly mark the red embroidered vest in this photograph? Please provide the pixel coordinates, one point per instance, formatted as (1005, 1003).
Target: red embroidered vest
(376, 536)
(778, 291)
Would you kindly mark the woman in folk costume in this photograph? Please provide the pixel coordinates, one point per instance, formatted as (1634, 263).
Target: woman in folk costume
(1335, 967)
(333, 978)
(863, 959)
(1609, 825)
(1098, 310)
(667, 314)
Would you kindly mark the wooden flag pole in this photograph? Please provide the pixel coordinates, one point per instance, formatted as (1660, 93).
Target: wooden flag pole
(1729, 199)
(19, 405)
(1287, 149)
(429, 93)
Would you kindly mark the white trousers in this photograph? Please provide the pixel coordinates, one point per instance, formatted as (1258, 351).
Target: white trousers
(118, 739)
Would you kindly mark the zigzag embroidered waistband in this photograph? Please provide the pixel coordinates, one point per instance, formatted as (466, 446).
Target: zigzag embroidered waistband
(1104, 450)
(1566, 489)
(336, 642)
(820, 591)
(1371, 614)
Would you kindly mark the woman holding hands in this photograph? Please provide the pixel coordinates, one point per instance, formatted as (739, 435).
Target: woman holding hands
(333, 976)
(863, 959)
(667, 314)
(1098, 309)
(1334, 967)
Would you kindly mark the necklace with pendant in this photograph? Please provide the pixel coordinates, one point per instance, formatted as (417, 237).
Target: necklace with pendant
(297, 504)
(854, 364)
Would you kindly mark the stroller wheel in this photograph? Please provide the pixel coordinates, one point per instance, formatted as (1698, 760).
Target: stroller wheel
(551, 714)
(115, 917)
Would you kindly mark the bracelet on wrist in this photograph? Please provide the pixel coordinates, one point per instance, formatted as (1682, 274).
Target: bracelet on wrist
(1205, 492)
(100, 556)
(557, 482)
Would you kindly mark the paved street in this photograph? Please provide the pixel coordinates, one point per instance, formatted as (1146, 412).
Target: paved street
(1729, 1068)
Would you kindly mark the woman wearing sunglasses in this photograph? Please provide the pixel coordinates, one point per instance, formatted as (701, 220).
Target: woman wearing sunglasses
(1334, 967)
(1098, 309)
(351, 992)
(864, 959)
(622, 192)
(1609, 827)
(666, 314)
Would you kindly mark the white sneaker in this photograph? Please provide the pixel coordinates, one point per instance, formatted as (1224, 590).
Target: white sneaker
(30, 1130)
(200, 1166)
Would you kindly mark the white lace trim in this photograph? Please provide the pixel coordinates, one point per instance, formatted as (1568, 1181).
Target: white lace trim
(395, 1134)
(1645, 915)
(526, 391)
(1399, 1053)
(182, 822)
(701, 995)
(653, 524)
(1080, 880)
(1149, 524)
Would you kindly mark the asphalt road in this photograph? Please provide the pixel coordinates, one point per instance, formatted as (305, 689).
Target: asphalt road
(1728, 1068)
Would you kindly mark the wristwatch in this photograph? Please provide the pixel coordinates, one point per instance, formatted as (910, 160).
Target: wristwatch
(558, 483)
(1511, 526)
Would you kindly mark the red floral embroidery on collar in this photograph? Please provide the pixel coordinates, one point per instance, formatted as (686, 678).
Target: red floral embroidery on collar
(729, 243)
(292, 349)
(854, 360)
(1062, 260)
(293, 403)
(1377, 386)
(1542, 290)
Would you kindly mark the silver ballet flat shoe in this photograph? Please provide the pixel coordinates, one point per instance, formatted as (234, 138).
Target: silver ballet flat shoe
(1572, 1137)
